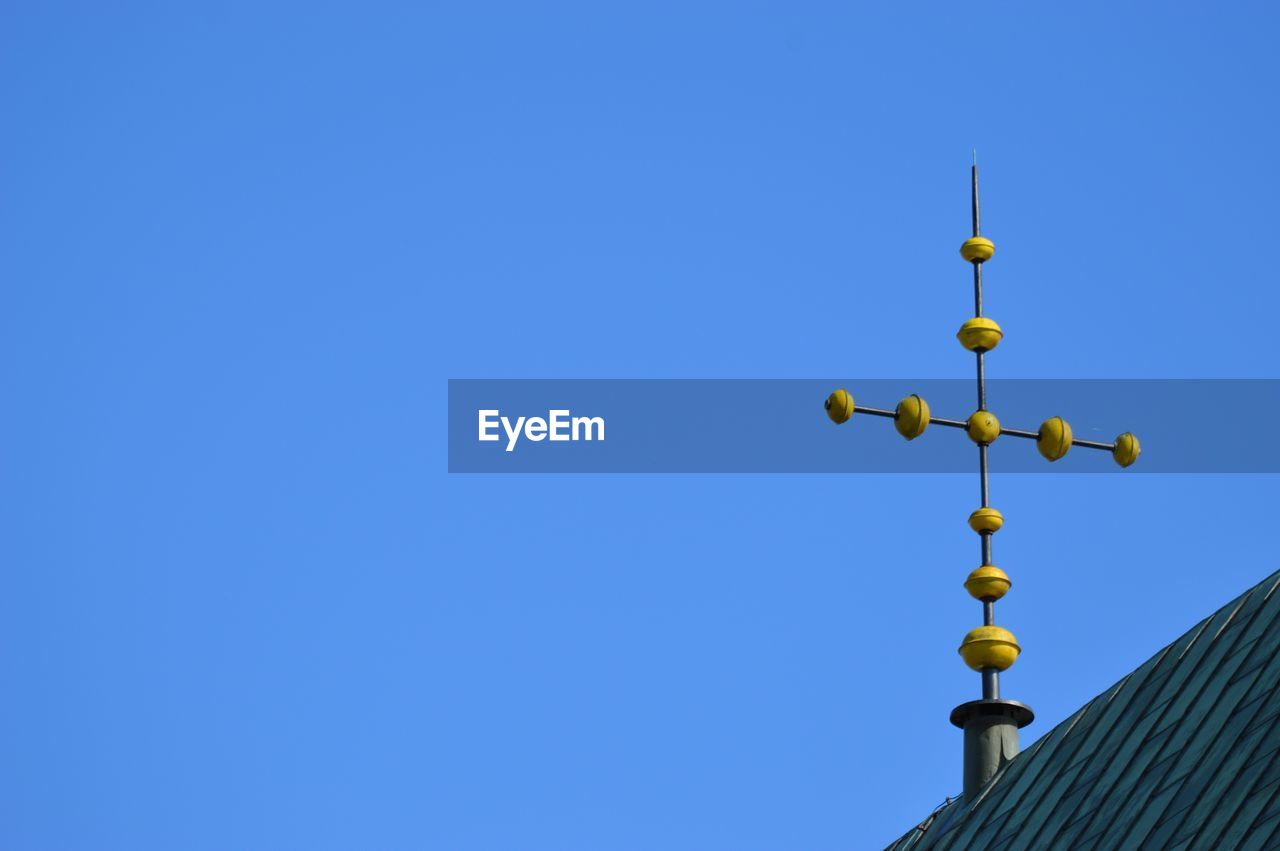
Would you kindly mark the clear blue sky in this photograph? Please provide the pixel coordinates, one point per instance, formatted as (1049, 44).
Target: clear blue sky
(245, 244)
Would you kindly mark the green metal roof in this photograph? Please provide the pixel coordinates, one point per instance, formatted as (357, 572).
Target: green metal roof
(1184, 753)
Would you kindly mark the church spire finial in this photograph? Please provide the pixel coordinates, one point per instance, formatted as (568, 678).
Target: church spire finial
(990, 724)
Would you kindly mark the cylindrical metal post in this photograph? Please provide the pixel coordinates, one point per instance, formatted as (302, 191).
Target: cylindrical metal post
(990, 739)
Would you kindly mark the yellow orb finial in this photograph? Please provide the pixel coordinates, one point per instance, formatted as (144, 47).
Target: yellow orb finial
(983, 428)
(986, 520)
(989, 647)
(839, 406)
(980, 334)
(1054, 438)
(977, 249)
(911, 417)
(1127, 449)
(987, 583)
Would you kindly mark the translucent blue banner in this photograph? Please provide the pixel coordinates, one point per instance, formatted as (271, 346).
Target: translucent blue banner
(779, 425)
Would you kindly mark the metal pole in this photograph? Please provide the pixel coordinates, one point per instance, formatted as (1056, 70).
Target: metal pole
(982, 474)
(977, 230)
(982, 383)
(990, 676)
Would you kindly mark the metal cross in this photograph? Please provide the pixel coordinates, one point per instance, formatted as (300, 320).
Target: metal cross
(989, 649)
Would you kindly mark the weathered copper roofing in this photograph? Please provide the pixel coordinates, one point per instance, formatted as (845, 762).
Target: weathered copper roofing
(1182, 753)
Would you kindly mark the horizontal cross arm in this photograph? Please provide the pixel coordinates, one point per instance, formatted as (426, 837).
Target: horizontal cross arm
(1033, 435)
(881, 412)
(1012, 432)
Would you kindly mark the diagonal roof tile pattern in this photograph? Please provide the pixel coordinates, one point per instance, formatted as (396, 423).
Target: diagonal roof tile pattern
(1184, 753)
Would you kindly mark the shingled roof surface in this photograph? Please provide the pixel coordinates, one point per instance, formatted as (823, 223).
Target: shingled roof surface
(1184, 753)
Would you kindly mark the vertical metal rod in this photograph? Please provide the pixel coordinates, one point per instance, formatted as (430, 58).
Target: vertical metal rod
(982, 474)
(977, 230)
(990, 676)
(982, 383)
